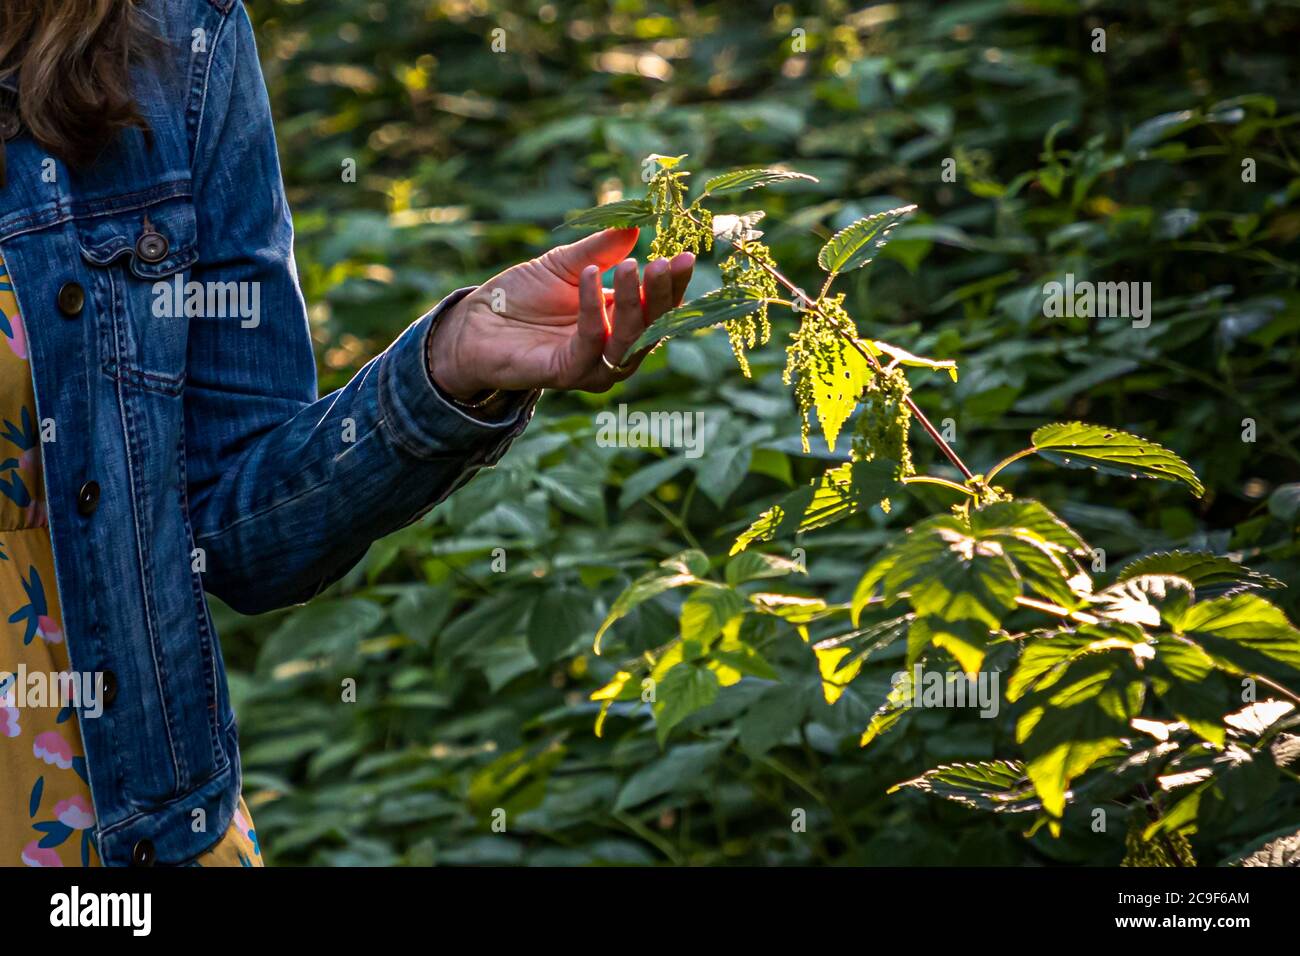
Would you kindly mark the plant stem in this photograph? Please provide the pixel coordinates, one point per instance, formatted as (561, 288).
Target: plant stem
(852, 339)
(1023, 453)
(943, 482)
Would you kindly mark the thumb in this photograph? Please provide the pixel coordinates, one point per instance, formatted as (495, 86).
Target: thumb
(603, 250)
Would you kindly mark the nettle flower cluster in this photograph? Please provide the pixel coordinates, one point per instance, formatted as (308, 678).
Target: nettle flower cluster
(1159, 692)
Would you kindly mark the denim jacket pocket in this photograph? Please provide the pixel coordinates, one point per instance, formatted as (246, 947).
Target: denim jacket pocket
(142, 255)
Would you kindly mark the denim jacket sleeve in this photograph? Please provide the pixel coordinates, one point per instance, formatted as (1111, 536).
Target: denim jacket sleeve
(287, 491)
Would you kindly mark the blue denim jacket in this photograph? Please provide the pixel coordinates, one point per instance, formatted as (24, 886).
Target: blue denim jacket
(189, 452)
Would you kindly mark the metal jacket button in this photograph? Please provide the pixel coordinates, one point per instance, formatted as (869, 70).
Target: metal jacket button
(142, 853)
(72, 298)
(152, 246)
(88, 498)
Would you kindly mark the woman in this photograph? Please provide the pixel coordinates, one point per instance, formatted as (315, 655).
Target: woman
(162, 433)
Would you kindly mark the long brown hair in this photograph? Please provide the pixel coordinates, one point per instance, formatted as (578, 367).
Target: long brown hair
(70, 60)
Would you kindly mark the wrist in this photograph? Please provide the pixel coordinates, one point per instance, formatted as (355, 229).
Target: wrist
(446, 371)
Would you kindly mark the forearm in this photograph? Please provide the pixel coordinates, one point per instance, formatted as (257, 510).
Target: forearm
(302, 501)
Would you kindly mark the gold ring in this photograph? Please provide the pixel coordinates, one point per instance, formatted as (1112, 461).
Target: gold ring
(616, 369)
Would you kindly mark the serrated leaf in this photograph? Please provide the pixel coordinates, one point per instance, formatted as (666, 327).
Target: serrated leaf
(836, 390)
(742, 179)
(1205, 570)
(1000, 786)
(840, 492)
(1243, 633)
(947, 572)
(855, 245)
(1114, 452)
(622, 214)
(718, 306)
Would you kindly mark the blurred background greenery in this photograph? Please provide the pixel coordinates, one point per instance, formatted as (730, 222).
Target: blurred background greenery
(472, 685)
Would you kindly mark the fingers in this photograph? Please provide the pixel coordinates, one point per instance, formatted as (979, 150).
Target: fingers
(585, 345)
(628, 320)
(626, 312)
(658, 290)
(602, 250)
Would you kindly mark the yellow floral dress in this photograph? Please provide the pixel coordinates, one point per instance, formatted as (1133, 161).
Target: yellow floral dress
(46, 814)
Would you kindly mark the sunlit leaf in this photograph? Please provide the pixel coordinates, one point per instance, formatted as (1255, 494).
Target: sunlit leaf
(622, 214)
(856, 244)
(742, 179)
(1109, 450)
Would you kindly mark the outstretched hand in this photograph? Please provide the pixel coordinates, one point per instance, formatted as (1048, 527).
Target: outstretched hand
(548, 323)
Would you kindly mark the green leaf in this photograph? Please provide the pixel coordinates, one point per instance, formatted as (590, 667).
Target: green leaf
(1076, 722)
(622, 214)
(559, 619)
(707, 611)
(1281, 848)
(718, 306)
(836, 390)
(742, 179)
(1000, 786)
(683, 768)
(684, 568)
(966, 641)
(946, 572)
(686, 688)
(1114, 452)
(855, 245)
(753, 565)
(1046, 658)
(896, 706)
(328, 630)
(1186, 679)
(1203, 569)
(836, 673)
(1242, 632)
(840, 492)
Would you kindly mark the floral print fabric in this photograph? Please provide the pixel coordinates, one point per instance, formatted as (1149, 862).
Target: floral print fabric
(46, 814)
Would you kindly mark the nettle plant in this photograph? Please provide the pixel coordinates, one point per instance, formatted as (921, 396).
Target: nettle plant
(1161, 693)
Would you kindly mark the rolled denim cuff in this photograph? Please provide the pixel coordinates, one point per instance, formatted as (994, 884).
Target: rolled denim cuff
(421, 420)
